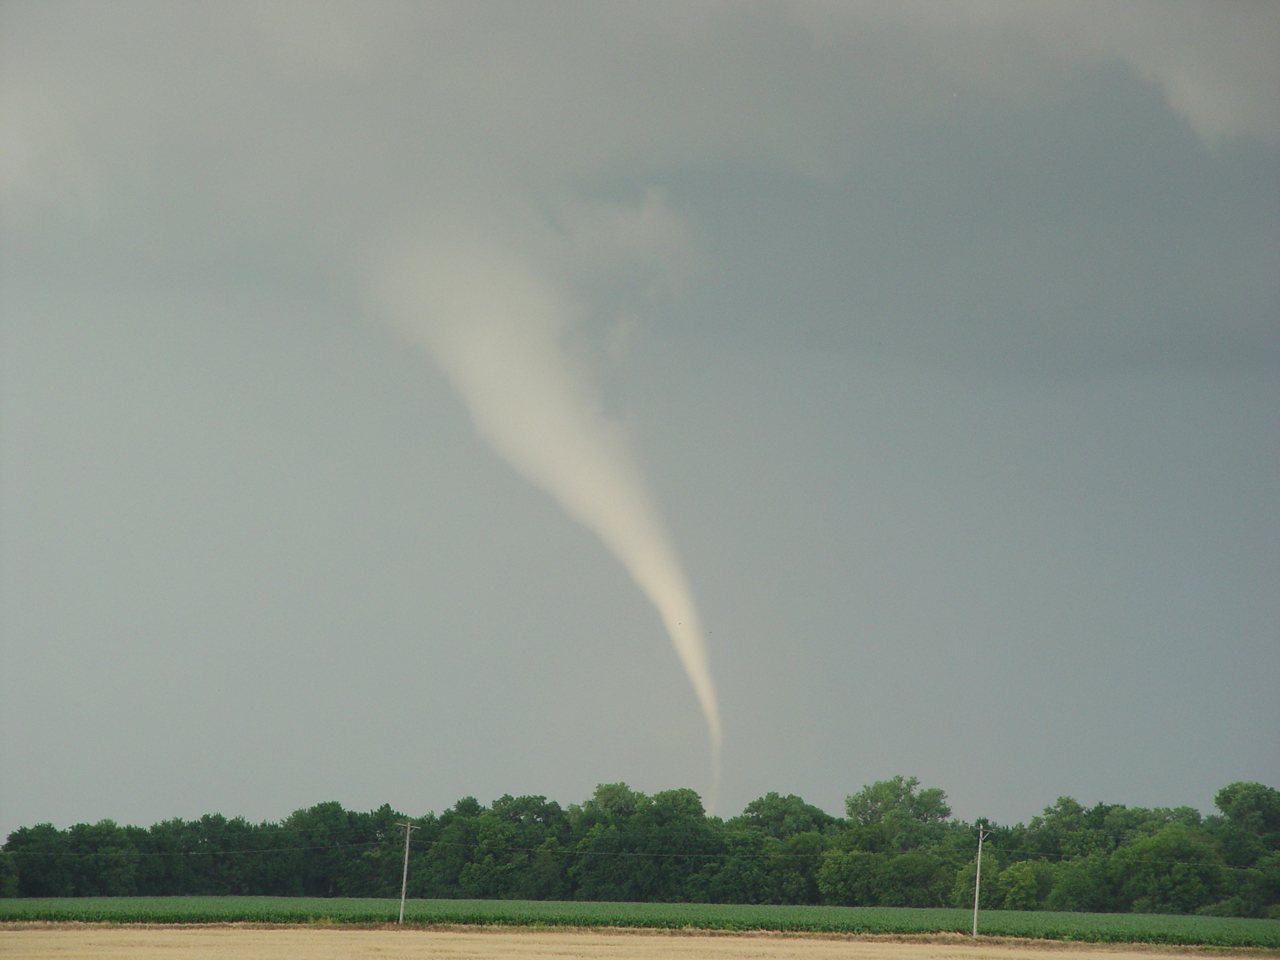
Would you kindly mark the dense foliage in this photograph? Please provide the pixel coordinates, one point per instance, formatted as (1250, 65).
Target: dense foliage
(897, 846)
(1096, 927)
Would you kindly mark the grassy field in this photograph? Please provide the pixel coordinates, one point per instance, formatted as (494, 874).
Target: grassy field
(1086, 927)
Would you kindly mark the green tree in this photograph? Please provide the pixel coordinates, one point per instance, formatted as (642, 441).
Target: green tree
(849, 878)
(44, 867)
(1255, 892)
(1083, 884)
(1025, 885)
(886, 799)
(372, 862)
(8, 874)
(1172, 871)
(742, 875)
(628, 846)
(781, 817)
(519, 851)
(1067, 830)
(1249, 829)
(448, 847)
(345, 853)
(989, 895)
(792, 867)
(321, 831)
(103, 860)
(894, 816)
(916, 878)
(214, 851)
(1251, 806)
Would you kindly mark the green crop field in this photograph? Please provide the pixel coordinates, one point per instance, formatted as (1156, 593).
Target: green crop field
(1093, 927)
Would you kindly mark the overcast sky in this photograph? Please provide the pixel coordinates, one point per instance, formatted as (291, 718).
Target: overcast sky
(403, 402)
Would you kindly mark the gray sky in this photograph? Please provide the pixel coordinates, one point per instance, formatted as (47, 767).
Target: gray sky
(376, 379)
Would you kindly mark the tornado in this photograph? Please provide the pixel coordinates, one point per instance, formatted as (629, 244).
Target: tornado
(496, 323)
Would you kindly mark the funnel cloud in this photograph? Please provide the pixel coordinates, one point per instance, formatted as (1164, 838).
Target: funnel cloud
(495, 325)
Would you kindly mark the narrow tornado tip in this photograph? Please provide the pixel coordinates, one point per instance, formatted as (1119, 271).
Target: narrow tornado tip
(717, 770)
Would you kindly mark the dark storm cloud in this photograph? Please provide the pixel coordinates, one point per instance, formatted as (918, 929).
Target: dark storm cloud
(947, 334)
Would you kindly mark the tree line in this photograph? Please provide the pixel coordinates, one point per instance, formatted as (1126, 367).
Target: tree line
(897, 845)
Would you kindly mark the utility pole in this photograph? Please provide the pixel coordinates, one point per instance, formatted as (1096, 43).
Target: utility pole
(977, 877)
(404, 880)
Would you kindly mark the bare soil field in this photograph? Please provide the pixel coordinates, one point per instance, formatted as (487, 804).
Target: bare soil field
(246, 942)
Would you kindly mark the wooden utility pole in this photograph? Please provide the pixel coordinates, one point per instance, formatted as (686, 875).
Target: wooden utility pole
(404, 880)
(977, 878)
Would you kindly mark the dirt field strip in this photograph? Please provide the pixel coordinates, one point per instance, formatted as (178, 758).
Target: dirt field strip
(90, 942)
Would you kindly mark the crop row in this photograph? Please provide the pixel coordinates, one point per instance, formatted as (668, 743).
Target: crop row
(1094, 927)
